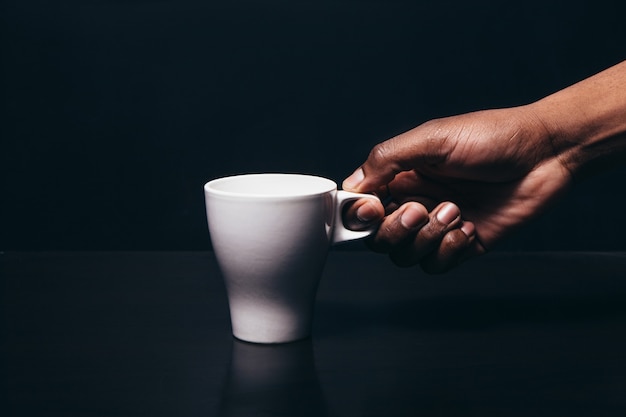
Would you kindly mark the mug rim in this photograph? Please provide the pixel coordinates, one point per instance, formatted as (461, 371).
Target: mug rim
(325, 185)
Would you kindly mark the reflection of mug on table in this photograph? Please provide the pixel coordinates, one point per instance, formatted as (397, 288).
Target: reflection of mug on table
(272, 380)
(271, 234)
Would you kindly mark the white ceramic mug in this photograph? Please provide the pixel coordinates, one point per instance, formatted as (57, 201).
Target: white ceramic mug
(271, 234)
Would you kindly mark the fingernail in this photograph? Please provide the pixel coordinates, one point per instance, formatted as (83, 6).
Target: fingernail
(354, 180)
(412, 218)
(366, 213)
(468, 228)
(448, 213)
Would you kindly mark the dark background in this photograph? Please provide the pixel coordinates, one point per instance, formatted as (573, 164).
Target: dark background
(115, 113)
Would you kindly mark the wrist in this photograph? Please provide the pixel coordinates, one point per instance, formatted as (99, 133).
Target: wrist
(561, 136)
(586, 123)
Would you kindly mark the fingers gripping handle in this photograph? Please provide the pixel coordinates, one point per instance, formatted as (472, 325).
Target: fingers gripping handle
(340, 232)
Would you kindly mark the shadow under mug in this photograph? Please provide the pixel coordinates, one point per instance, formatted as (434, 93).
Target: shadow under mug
(271, 234)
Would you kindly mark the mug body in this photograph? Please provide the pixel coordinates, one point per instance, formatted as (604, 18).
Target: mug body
(271, 234)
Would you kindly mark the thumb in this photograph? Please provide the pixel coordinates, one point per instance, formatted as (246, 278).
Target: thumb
(404, 152)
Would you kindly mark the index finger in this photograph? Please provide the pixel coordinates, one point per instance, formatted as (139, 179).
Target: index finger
(407, 151)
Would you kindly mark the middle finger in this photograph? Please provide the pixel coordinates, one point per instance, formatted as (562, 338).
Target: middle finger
(399, 227)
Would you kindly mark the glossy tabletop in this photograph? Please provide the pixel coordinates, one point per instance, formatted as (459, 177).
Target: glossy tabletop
(148, 333)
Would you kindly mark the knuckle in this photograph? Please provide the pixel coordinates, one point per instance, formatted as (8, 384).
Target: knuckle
(380, 153)
(437, 140)
(454, 240)
(433, 232)
(447, 255)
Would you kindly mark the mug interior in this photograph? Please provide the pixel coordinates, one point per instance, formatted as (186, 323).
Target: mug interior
(271, 185)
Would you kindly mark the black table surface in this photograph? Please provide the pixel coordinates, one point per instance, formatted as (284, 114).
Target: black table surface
(148, 333)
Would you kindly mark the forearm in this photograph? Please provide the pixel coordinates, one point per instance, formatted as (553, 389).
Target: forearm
(587, 121)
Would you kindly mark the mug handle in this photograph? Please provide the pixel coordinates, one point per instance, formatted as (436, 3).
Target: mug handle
(340, 232)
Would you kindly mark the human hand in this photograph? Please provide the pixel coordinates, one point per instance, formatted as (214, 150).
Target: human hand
(458, 185)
